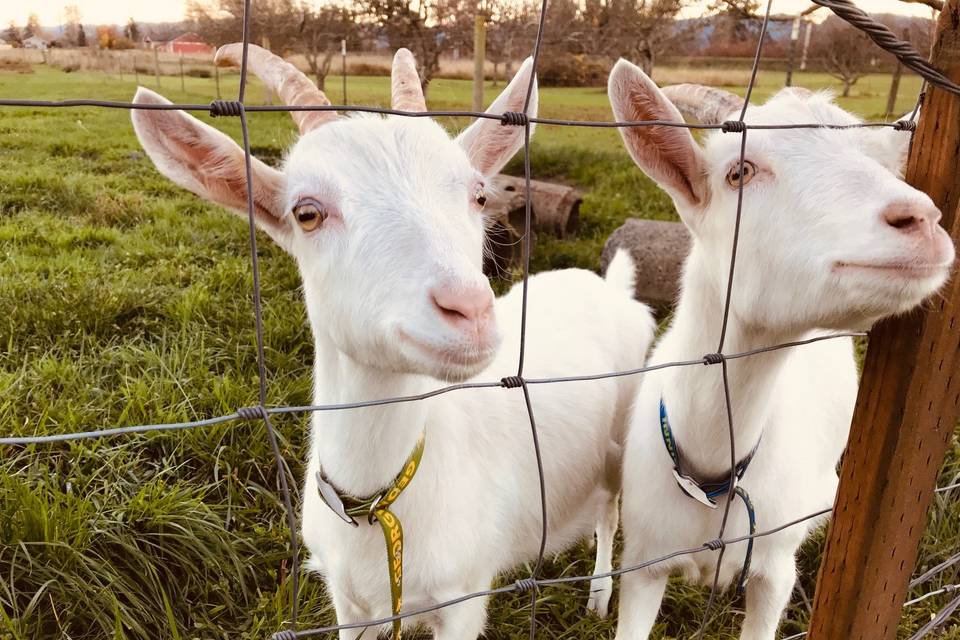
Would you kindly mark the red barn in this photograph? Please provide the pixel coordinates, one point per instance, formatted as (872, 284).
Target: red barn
(188, 44)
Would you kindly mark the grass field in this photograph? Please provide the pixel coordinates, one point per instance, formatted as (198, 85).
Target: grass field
(124, 300)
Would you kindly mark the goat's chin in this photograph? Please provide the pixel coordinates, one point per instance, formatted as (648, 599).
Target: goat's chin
(455, 361)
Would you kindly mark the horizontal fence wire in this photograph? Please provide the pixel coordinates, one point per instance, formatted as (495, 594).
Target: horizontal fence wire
(253, 413)
(532, 584)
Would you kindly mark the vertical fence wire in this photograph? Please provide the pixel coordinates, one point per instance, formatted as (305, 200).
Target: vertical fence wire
(728, 405)
(261, 353)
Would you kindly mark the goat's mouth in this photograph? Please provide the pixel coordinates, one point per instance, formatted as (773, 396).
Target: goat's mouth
(457, 360)
(905, 270)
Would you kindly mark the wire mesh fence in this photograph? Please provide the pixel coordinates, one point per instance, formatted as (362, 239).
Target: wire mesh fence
(533, 583)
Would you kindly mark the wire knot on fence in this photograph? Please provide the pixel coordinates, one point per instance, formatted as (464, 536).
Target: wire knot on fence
(714, 358)
(715, 545)
(525, 585)
(733, 126)
(220, 108)
(515, 119)
(253, 413)
(512, 382)
(905, 125)
(286, 634)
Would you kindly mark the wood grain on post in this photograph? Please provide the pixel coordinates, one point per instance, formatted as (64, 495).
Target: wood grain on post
(906, 412)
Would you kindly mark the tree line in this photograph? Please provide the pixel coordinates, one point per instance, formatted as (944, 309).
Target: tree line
(582, 37)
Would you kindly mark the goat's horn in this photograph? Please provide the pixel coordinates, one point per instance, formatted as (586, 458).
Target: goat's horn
(405, 89)
(706, 104)
(284, 79)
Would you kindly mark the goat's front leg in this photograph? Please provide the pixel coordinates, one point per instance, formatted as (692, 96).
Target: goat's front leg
(349, 612)
(463, 621)
(602, 588)
(640, 596)
(767, 595)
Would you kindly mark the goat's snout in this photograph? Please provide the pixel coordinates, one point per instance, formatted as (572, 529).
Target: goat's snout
(464, 306)
(912, 218)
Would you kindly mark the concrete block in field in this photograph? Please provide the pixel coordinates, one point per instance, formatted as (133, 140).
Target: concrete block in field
(658, 249)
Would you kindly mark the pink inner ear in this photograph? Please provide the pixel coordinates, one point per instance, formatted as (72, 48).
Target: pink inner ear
(216, 165)
(668, 154)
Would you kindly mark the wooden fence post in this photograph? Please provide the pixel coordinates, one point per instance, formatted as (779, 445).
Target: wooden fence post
(907, 408)
(156, 65)
(216, 77)
(479, 57)
(183, 86)
(792, 52)
(343, 67)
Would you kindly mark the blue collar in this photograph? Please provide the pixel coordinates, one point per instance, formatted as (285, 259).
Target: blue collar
(705, 491)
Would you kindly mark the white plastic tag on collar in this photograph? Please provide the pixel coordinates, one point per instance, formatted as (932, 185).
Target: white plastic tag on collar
(692, 489)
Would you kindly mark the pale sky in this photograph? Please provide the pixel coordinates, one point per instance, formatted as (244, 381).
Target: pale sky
(118, 11)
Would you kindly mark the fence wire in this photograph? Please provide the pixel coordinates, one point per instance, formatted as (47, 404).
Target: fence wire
(882, 36)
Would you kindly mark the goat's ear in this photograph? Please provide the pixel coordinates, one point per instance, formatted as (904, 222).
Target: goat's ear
(490, 144)
(669, 155)
(207, 162)
(888, 146)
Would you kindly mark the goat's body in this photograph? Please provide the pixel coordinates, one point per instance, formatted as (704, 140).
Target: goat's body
(473, 509)
(800, 400)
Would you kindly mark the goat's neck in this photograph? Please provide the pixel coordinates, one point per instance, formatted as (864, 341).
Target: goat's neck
(694, 395)
(362, 450)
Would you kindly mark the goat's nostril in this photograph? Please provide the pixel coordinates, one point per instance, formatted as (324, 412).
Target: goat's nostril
(903, 222)
(452, 313)
(462, 304)
(911, 217)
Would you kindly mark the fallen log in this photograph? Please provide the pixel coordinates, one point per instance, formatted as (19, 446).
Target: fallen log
(658, 250)
(507, 212)
(556, 206)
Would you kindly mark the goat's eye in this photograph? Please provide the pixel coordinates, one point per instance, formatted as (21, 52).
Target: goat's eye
(480, 196)
(310, 214)
(733, 176)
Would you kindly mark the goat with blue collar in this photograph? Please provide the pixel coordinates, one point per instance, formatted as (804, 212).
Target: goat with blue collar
(830, 240)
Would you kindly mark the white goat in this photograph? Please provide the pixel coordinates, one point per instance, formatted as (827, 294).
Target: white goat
(831, 239)
(384, 219)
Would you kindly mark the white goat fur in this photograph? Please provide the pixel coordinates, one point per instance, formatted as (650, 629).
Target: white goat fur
(819, 202)
(400, 223)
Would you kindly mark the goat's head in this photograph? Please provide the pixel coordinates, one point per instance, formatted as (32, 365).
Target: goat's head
(830, 235)
(384, 216)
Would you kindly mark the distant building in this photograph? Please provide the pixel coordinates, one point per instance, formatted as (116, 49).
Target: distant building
(35, 42)
(188, 44)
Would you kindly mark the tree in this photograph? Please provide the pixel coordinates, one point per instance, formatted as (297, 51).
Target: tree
(510, 35)
(221, 21)
(319, 35)
(71, 29)
(132, 30)
(846, 52)
(33, 27)
(13, 36)
(426, 27)
(81, 36)
(106, 36)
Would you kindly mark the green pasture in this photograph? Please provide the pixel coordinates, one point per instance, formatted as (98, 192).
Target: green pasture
(124, 300)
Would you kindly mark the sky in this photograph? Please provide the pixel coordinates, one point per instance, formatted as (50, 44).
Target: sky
(112, 11)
